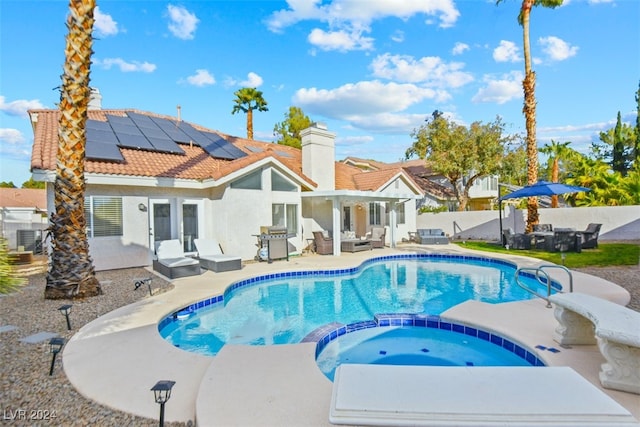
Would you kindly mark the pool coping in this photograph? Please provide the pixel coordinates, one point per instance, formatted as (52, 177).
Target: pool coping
(275, 379)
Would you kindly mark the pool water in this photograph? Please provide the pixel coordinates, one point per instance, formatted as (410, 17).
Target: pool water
(413, 346)
(282, 310)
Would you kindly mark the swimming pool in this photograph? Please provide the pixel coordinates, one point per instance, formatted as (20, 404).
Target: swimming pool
(285, 308)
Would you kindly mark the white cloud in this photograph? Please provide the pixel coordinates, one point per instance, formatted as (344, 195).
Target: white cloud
(349, 19)
(253, 80)
(459, 48)
(557, 49)
(19, 107)
(11, 136)
(182, 23)
(124, 66)
(355, 100)
(429, 70)
(347, 141)
(104, 24)
(342, 40)
(201, 78)
(398, 36)
(507, 52)
(500, 90)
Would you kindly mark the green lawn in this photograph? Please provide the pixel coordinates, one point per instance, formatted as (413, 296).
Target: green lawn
(606, 255)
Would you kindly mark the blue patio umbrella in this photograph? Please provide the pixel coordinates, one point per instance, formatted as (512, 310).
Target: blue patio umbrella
(544, 188)
(540, 188)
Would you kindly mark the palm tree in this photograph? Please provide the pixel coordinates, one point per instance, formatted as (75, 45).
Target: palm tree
(71, 273)
(247, 100)
(556, 151)
(529, 109)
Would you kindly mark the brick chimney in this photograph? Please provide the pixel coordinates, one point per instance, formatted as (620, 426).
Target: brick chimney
(319, 155)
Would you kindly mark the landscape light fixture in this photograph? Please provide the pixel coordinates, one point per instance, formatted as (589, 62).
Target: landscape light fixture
(66, 309)
(162, 393)
(55, 345)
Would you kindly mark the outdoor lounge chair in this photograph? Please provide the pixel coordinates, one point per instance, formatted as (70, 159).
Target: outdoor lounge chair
(172, 261)
(376, 237)
(324, 244)
(211, 257)
(516, 240)
(590, 236)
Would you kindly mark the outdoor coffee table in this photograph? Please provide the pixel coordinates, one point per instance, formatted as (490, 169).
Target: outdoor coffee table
(355, 245)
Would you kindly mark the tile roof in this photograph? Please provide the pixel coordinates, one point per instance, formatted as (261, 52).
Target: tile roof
(23, 198)
(195, 164)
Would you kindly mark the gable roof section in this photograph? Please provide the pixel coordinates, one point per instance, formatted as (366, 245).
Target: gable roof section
(195, 163)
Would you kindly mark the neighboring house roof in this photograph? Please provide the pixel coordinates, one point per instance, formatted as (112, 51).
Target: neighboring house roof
(416, 168)
(195, 163)
(23, 198)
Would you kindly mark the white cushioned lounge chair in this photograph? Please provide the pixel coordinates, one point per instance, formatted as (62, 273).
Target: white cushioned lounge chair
(172, 261)
(212, 258)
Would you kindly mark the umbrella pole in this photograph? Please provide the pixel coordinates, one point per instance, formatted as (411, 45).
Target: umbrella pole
(501, 236)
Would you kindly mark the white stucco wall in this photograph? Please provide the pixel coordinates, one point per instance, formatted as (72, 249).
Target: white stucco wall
(618, 222)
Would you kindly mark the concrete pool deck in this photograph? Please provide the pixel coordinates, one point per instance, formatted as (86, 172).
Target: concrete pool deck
(117, 358)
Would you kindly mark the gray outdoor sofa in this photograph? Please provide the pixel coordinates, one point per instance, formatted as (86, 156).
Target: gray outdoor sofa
(431, 236)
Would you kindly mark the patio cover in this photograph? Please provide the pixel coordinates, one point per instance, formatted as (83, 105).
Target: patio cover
(338, 197)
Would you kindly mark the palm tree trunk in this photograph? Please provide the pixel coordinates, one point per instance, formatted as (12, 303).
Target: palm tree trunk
(555, 171)
(71, 273)
(529, 110)
(250, 124)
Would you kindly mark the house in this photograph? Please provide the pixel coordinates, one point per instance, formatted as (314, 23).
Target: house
(151, 178)
(437, 189)
(24, 218)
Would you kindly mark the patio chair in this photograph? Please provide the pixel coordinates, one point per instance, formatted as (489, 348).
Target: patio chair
(172, 262)
(376, 237)
(324, 243)
(516, 240)
(212, 258)
(566, 240)
(589, 237)
(542, 228)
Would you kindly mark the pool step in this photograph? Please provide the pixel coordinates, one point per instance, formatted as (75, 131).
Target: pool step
(386, 395)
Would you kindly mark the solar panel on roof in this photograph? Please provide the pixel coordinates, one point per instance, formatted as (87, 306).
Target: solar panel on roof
(133, 141)
(171, 130)
(125, 128)
(141, 120)
(165, 145)
(98, 125)
(95, 150)
(220, 147)
(195, 135)
(102, 136)
(253, 149)
(282, 153)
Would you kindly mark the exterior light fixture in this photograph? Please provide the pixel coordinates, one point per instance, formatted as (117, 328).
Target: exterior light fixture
(55, 345)
(65, 310)
(142, 207)
(162, 393)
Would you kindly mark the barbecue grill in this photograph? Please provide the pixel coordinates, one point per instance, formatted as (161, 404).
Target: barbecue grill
(275, 240)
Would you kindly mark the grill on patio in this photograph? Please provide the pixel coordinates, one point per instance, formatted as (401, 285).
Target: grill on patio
(274, 240)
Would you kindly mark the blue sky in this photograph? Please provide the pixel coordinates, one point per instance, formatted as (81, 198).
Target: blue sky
(372, 70)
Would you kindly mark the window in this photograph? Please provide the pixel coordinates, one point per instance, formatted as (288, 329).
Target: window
(375, 216)
(253, 181)
(104, 216)
(399, 213)
(283, 215)
(279, 183)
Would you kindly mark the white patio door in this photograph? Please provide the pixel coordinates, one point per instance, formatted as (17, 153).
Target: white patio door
(175, 219)
(161, 225)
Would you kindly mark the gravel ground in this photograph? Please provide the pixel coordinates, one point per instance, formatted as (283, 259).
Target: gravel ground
(52, 400)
